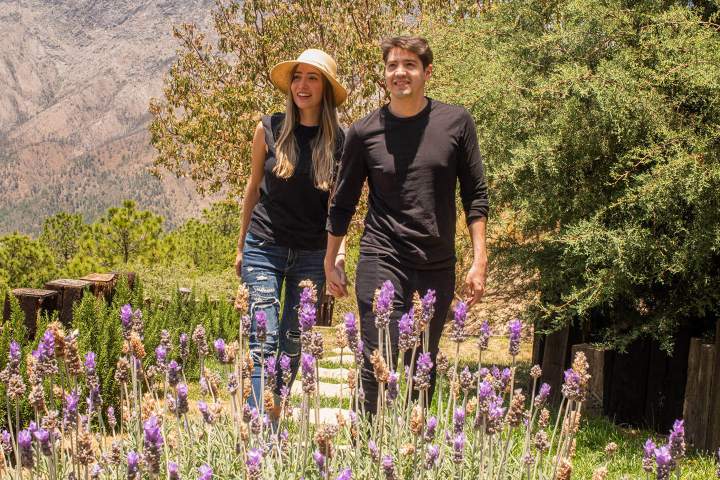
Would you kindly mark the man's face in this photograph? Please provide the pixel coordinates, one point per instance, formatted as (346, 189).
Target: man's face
(404, 74)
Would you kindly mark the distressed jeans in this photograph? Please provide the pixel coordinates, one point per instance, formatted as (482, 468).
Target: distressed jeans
(266, 267)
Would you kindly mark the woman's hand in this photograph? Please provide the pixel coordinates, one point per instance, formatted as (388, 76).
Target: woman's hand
(335, 277)
(238, 263)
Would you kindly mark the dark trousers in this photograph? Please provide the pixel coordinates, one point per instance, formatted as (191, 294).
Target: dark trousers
(372, 271)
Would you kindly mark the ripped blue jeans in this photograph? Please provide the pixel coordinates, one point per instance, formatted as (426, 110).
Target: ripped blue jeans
(265, 268)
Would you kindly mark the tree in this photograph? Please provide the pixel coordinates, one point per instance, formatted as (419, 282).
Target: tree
(600, 125)
(62, 233)
(25, 262)
(124, 234)
(214, 93)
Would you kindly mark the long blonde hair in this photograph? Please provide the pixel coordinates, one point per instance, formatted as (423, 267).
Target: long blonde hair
(323, 145)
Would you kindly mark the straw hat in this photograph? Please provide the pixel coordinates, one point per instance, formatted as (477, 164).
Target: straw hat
(280, 73)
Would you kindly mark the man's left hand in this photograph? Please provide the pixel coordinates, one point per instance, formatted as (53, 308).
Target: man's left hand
(475, 283)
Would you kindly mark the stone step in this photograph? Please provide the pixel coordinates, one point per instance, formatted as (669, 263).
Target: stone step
(333, 373)
(326, 389)
(327, 415)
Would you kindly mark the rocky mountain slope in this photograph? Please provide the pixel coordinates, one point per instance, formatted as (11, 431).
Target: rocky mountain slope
(76, 77)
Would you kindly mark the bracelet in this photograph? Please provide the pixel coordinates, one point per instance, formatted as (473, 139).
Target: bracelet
(340, 253)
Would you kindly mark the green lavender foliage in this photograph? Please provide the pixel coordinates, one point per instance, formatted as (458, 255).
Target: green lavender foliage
(599, 122)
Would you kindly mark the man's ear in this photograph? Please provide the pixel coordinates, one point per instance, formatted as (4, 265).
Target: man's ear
(428, 71)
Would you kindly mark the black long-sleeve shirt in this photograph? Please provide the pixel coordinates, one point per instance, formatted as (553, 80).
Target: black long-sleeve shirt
(411, 164)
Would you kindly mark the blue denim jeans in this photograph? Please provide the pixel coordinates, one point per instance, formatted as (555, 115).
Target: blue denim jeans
(265, 269)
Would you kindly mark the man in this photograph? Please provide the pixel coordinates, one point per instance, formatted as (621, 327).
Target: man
(412, 152)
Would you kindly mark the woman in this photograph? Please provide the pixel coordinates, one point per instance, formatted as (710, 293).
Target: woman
(283, 238)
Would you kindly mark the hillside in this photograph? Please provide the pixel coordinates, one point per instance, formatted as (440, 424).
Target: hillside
(77, 77)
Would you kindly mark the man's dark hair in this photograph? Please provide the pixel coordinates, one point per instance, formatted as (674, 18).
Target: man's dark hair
(417, 45)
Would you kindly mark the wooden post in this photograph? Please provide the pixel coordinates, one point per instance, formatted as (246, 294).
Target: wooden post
(714, 420)
(102, 284)
(69, 291)
(555, 356)
(33, 301)
(698, 402)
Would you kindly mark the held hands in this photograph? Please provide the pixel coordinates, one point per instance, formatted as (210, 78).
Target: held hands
(475, 282)
(335, 278)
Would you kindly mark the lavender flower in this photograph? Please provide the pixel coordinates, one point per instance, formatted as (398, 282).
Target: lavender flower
(676, 440)
(572, 388)
(382, 304)
(648, 456)
(184, 347)
(112, 421)
(515, 332)
(133, 464)
(459, 420)
(205, 471)
(161, 355)
(173, 471)
(374, 451)
(484, 338)
(253, 463)
(182, 399)
(200, 340)
(406, 329)
(306, 310)
(392, 387)
(261, 325)
(219, 345)
(43, 438)
(173, 373)
(346, 474)
(542, 395)
(245, 325)
(126, 314)
(90, 363)
(422, 372)
(153, 442)
(319, 460)
(6, 442)
(431, 456)
(70, 410)
(388, 466)
(428, 301)
(307, 362)
(430, 428)
(457, 333)
(207, 415)
(459, 448)
(271, 372)
(664, 461)
(285, 368)
(24, 440)
(351, 331)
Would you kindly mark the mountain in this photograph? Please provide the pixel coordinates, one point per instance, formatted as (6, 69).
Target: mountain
(76, 77)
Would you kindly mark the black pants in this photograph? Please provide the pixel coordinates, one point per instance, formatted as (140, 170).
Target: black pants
(372, 271)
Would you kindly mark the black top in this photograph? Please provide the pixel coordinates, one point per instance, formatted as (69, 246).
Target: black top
(411, 165)
(291, 212)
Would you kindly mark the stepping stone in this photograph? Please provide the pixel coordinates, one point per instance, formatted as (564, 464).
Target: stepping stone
(347, 358)
(326, 389)
(327, 415)
(334, 373)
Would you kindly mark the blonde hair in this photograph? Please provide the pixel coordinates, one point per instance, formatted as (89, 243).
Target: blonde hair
(323, 145)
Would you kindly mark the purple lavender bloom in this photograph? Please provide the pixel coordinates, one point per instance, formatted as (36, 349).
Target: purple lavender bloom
(350, 325)
(126, 314)
(406, 331)
(648, 448)
(153, 432)
(182, 399)
(90, 364)
(373, 449)
(484, 338)
(307, 362)
(173, 373)
(459, 448)
(284, 363)
(43, 438)
(388, 466)
(515, 332)
(173, 471)
(203, 407)
(665, 462)
(6, 441)
(459, 419)
(458, 326)
(384, 298)
(430, 428)
(70, 409)
(161, 354)
(392, 387)
(46, 347)
(571, 387)
(111, 416)
(219, 345)
(183, 341)
(542, 395)
(422, 372)
(676, 440)
(271, 367)
(306, 311)
(431, 456)
(485, 390)
(205, 471)
(14, 353)
(261, 325)
(648, 456)
(346, 474)
(254, 462)
(24, 440)
(133, 464)
(319, 460)
(428, 300)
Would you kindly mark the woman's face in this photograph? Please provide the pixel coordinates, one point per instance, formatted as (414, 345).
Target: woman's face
(307, 87)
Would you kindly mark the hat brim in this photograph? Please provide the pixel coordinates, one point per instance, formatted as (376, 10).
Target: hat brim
(280, 77)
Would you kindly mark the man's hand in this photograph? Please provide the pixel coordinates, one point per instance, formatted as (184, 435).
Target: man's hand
(335, 278)
(475, 282)
(238, 263)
